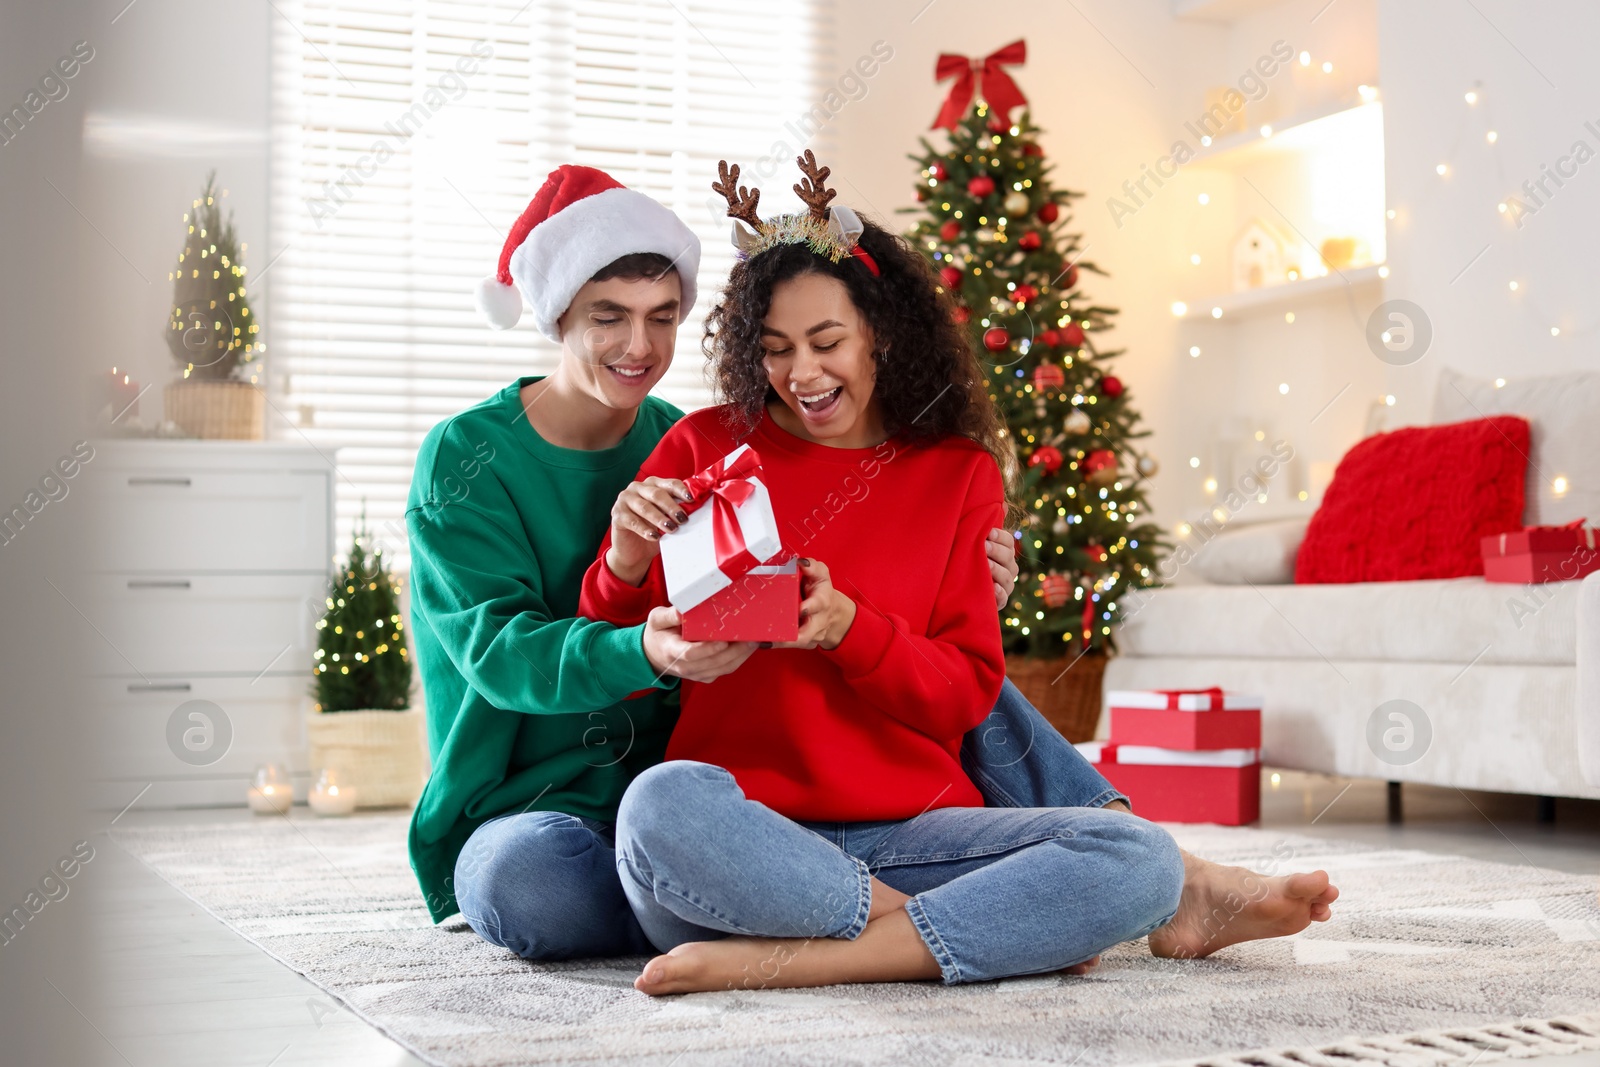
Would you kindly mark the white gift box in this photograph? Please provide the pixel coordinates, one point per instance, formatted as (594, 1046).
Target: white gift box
(1155, 699)
(689, 553)
(1149, 755)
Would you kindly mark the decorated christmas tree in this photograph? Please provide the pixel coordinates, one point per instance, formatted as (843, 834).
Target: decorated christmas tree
(996, 230)
(211, 331)
(361, 659)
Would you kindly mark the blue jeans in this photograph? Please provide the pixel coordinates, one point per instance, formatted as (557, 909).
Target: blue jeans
(544, 884)
(994, 891)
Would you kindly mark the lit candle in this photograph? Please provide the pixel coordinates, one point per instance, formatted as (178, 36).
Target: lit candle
(271, 793)
(330, 796)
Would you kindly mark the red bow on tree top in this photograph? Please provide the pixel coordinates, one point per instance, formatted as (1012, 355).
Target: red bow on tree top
(997, 88)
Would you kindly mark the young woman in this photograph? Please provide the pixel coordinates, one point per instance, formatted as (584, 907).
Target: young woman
(817, 794)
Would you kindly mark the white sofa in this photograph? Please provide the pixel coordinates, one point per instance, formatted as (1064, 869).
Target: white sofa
(1507, 677)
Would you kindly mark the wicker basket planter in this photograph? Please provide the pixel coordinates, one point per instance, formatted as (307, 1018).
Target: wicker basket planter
(378, 752)
(1066, 690)
(219, 410)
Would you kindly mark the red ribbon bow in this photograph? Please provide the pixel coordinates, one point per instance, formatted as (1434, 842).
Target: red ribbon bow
(997, 87)
(725, 486)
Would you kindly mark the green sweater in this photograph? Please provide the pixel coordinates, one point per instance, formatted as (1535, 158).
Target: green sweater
(525, 702)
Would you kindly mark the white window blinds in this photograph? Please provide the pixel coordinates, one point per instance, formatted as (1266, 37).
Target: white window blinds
(409, 136)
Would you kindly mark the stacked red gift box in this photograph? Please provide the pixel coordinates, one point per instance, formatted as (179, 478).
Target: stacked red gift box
(1184, 755)
(1541, 554)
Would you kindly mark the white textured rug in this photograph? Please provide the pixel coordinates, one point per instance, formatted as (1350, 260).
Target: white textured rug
(1421, 944)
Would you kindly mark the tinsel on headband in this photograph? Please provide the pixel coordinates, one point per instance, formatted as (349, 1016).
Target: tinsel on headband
(797, 229)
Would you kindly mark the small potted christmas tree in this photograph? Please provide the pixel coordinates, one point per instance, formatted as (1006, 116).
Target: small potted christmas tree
(363, 724)
(212, 331)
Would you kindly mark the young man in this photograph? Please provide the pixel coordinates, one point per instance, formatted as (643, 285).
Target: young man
(531, 730)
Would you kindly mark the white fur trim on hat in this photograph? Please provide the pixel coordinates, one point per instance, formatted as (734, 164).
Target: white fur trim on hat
(564, 251)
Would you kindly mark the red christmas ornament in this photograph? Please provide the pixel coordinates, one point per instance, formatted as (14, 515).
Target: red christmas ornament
(1072, 335)
(938, 172)
(922, 194)
(1029, 241)
(1048, 376)
(950, 230)
(980, 187)
(1070, 280)
(1047, 456)
(1048, 212)
(1031, 148)
(1111, 386)
(995, 338)
(1096, 553)
(1024, 293)
(951, 277)
(1055, 589)
(1049, 337)
(961, 314)
(1100, 466)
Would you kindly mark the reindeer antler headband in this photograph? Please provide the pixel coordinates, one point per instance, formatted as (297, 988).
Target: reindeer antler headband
(831, 232)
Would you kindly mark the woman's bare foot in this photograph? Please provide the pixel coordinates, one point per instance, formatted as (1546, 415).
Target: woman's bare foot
(731, 963)
(1223, 906)
(1083, 968)
(888, 950)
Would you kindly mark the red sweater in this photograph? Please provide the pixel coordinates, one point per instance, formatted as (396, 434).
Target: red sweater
(872, 729)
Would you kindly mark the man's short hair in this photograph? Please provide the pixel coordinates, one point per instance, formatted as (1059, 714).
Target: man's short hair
(634, 266)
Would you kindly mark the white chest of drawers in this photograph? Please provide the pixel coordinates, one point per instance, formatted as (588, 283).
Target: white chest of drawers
(211, 565)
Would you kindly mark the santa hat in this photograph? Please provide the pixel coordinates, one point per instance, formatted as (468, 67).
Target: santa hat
(580, 221)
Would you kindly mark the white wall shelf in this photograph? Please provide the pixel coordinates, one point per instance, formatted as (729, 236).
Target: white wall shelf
(1299, 132)
(1274, 298)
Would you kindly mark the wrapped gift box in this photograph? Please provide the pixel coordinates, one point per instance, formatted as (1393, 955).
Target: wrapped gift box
(731, 533)
(764, 605)
(1168, 785)
(1188, 719)
(1541, 554)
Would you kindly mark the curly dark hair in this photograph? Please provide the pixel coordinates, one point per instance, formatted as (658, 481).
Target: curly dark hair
(929, 380)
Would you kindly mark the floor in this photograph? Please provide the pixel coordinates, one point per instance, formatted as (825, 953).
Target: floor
(180, 988)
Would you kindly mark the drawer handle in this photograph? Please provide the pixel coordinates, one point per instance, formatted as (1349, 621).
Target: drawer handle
(159, 687)
(158, 583)
(182, 482)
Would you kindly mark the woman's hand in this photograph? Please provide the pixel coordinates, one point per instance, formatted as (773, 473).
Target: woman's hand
(1002, 549)
(694, 661)
(825, 613)
(643, 512)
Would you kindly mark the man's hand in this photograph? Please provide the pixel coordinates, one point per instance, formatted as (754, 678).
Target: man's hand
(694, 661)
(643, 512)
(825, 613)
(1002, 549)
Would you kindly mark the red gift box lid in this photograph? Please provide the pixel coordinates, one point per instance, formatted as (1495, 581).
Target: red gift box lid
(1540, 539)
(1213, 699)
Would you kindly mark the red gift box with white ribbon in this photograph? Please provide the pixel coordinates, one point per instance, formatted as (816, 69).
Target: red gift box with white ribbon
(724, 568)
(1188, 719)
(1541, 554)
(1165, 785)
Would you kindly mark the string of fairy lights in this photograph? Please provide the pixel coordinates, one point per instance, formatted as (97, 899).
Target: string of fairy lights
(1476, 127)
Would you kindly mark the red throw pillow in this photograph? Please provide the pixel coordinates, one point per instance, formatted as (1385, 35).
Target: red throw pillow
(1413, 503)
